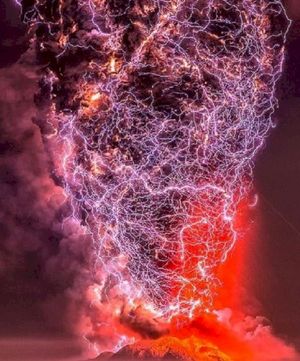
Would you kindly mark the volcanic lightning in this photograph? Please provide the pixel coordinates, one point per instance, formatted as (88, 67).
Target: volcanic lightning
(154, 111)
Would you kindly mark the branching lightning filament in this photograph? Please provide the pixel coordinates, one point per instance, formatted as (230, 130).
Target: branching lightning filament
(156, 110)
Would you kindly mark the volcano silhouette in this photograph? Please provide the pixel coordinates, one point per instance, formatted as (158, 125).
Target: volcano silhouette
(167, 348)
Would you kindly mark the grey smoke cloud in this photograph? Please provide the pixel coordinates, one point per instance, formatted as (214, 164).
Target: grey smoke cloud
(41, 258)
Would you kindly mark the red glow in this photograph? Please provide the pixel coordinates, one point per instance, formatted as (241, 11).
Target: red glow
(223, 333)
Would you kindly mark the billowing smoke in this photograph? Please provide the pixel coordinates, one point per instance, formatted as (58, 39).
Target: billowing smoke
(152, 113)
(41, 263)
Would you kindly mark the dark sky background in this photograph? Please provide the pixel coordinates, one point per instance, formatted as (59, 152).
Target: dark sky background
(276, 254)
(35, 280)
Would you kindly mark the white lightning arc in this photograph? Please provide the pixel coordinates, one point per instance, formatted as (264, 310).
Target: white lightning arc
(158, 109)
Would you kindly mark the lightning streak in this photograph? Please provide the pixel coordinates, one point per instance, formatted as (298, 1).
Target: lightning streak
(157, 110)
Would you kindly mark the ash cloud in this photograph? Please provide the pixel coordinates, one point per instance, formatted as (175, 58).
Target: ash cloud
(139, 321)
(41, 264)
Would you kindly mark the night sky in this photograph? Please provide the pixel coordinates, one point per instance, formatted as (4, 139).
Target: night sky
(37, 285)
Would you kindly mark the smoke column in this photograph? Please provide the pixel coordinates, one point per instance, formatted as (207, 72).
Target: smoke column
(152, 113)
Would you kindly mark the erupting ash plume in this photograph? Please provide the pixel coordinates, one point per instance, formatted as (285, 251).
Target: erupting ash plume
(152, 112)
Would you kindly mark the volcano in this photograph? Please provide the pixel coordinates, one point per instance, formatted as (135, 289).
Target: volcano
(167, 348)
